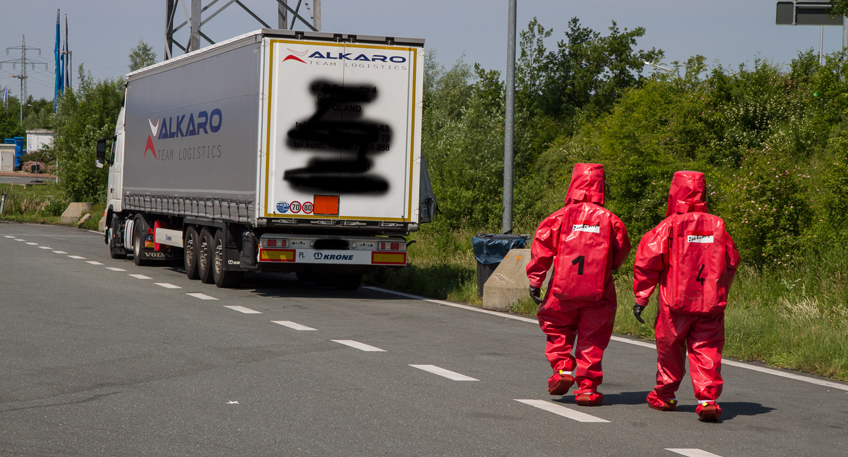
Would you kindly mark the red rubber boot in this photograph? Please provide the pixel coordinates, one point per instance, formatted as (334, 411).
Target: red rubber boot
(708, 411)
(559, 383)
(661, 404)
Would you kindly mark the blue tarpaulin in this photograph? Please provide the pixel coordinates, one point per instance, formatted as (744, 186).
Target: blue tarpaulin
(492, 248)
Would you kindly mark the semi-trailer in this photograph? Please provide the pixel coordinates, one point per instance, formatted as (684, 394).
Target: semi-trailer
(273, 151)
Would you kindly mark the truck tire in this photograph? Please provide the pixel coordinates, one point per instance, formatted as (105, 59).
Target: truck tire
(115, 251)
(205, 257)
(190, 247)
(139, 230)
(347, 281)
(223, 278)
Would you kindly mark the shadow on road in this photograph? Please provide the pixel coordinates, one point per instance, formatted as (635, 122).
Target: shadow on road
(731, 409)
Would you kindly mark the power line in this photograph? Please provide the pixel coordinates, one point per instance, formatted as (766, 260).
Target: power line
(22, 76)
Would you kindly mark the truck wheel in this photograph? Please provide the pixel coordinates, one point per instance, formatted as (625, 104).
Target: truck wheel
(139, 230)
(115, 251)
(347, 281)
(222, 277)
(190, 247)
(205, 256)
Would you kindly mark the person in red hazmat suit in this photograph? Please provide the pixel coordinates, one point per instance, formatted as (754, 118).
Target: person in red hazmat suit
(584, 242)
(693, 259)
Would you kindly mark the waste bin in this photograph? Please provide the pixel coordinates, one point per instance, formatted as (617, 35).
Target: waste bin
(490, 250)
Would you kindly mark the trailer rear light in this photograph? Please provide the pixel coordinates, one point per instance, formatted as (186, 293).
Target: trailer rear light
(386, 246)
(274, 243)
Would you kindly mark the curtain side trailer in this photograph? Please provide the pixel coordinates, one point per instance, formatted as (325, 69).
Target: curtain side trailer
(273, 151)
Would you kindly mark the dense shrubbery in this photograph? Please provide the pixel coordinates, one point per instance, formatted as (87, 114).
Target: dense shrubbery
(770, 140)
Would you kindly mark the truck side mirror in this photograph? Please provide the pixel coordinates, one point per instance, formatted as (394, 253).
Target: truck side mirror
(101, 153)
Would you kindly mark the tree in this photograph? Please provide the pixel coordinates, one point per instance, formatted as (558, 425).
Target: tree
(141, 55)
(85, 115)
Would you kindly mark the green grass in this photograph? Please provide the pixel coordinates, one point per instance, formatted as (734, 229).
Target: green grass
(793, 318)
(41, 204)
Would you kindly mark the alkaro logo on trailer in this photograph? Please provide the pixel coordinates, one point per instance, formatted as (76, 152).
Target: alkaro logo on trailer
(299, 56)
(296, 55)
(154, 131)
(181, 126)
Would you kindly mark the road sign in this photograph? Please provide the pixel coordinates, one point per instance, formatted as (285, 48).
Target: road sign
(805, 13)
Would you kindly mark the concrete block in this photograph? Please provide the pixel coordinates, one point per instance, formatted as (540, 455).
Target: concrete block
(101, 226)
(509, 281)
(74, 212)
(83, 219)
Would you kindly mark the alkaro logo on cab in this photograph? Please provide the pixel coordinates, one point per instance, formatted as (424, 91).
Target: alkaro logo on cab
(178, 127)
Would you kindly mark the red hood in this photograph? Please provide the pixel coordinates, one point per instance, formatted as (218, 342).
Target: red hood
(688, 193)
(587, 184)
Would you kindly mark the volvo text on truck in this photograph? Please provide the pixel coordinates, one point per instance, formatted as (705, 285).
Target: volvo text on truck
(273, 151)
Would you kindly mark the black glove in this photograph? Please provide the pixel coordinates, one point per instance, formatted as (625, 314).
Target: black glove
(536, 295)
(637, 311)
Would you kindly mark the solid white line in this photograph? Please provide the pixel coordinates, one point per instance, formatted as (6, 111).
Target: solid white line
(783, 374)
(201, 296)
(457, 305)
(115, 269)
(140, 277)
(167, 285)
(99, 233)
(294, 325)
(644, 344)
(93, 262)
(60, 252)
(692, 452)
(244, 310)
(452, 375)
(32, 244)
(358, 345)
(76, 257)
(561, 410)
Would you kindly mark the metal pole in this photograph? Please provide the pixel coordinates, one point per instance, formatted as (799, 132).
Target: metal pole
(194, 42)
(509, 128)
(844, 33)
(821, 44)
(316, 14)
(282, 13)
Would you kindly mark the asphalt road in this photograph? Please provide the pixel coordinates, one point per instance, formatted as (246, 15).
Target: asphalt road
(100, 357)
(6, 179)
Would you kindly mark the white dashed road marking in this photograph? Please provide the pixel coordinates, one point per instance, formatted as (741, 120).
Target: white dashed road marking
(32, 244)
(140, 277)
(167, 286)
(358, 345)
(44, 247)
(93, 262)
(59, 252)
(201, 296)
(76, 257)
(692, 452)
(115, 269)
(244, 310)
(452, 375)
(9, 236)
(294, 325)
(561, 410)
(18, 239)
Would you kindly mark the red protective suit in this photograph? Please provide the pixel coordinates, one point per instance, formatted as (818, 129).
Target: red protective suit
(584, 242)
(694, 260)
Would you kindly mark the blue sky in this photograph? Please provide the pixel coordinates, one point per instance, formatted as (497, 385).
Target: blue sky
(102, 32)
